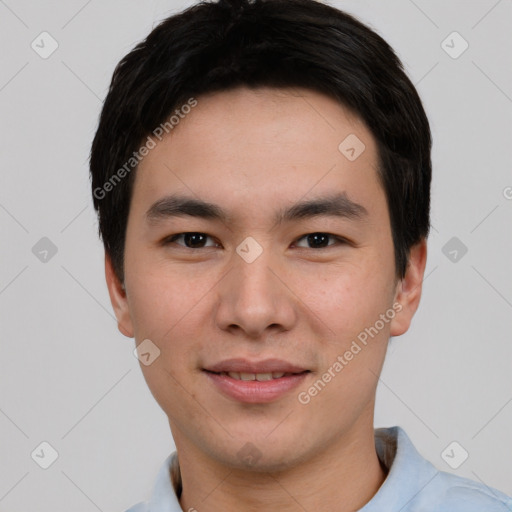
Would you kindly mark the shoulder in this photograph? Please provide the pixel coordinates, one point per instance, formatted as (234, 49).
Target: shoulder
(139, 507)
(451, 493)
(414, 484)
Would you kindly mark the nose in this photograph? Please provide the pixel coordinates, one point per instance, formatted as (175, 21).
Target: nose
(254, 298)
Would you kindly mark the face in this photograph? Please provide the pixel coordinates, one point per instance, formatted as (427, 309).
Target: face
(256, 246)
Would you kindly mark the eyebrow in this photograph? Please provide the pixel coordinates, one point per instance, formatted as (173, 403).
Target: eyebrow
(337, 205)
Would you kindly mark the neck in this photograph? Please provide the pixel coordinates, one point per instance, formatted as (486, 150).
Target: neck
(342, 478)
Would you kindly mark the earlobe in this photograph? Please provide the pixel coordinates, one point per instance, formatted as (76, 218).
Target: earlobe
(118, 299)
(408, 290)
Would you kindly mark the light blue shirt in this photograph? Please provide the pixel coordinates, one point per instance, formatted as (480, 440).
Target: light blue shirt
(412, 485)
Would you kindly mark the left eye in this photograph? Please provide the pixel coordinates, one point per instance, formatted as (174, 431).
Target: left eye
(319, 240)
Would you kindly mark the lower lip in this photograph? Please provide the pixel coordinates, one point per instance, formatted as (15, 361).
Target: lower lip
(254, 391)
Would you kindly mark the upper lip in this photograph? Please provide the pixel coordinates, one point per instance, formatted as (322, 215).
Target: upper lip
(245, 366)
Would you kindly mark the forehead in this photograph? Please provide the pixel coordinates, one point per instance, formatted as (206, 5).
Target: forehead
(250, 147)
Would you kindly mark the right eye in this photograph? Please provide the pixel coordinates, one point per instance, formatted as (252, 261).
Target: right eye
(190, 240)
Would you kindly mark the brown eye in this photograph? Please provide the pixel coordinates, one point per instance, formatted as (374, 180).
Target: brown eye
(319, 240)
(190, 240)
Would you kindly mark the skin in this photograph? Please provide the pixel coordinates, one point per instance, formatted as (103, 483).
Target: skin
(254, 152)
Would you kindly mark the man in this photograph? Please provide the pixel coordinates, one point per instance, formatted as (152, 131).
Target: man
(261, 172)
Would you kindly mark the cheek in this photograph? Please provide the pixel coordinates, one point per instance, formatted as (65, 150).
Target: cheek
(168, 312)
(160, 301)
(347, 298)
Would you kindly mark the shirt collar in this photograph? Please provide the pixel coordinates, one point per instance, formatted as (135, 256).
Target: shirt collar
(408, 471)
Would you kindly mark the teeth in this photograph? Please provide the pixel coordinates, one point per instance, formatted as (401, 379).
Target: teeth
(263, 376)
(260, 377)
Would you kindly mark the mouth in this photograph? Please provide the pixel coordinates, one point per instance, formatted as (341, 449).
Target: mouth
(243, 366)
(255, 382)
(260, 377)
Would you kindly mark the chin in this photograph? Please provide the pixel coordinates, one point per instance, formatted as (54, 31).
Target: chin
(260, 456)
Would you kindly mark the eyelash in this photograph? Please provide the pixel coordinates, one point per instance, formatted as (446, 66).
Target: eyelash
(171, 239)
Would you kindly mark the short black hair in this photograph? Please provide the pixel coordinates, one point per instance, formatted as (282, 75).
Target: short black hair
(220, 45)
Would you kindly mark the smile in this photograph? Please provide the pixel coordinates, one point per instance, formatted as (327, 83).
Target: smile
(255, 387)
(261, 377)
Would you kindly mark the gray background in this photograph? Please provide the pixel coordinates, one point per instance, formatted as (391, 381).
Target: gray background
(68, 377)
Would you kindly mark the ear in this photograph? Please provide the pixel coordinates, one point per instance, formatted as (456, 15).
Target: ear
(408, 289)
(118, 299)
